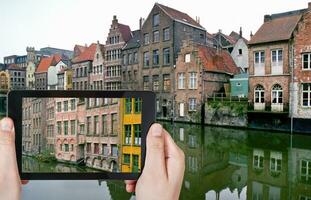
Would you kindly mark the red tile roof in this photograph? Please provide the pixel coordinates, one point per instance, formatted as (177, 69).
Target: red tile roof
(87, 55)
(277, 29)
(214, 61)
(179, 16)
(46, 62)
(125, 31)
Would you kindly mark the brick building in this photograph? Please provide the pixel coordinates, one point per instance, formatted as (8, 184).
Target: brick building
(161, 39)
(270, 62)
(4, 81)
(82, 67)
(301, 88)
(130, 64)
(97, 74)
(102, 133)
(118, 35)
(200, 72)
(49, 129)
(27, 125)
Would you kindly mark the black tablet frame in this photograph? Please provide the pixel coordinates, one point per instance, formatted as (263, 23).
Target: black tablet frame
(14, 111)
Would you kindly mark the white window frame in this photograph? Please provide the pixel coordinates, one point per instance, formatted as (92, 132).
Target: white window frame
(260, 95)
(187, 58)
(193, 80)
(273, 164)
(181, 109)
(277, 90)
(307, 175)
(308, 91)
(259, 154)
(181, 80)
(192, 104)
(309, 61)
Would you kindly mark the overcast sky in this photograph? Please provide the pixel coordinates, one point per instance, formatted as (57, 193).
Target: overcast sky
(64, 23)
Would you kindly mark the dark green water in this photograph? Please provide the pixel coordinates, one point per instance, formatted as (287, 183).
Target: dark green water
(220, 164)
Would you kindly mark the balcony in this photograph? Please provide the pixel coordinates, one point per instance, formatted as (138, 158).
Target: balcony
(259, 106)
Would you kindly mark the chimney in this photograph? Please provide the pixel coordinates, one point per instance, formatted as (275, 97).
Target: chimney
(141, 22)
(267, 18)
(251, 35)
(219, 31)
(241, 33)
(85, 45)
(309, 6)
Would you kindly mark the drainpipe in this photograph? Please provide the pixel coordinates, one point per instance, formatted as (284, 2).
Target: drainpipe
(292, 91)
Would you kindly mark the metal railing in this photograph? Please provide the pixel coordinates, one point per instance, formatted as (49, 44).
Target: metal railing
(225, 97)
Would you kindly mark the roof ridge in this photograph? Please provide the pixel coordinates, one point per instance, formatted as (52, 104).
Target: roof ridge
(288, 13)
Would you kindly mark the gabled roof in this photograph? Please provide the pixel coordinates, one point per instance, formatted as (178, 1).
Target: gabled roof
(179, 16)
(45, 63)
(277, 27)
(217, 61)
(87, 55)
(125, 31)
(134, 42)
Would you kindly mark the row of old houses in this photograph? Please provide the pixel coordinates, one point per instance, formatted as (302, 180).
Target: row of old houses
(173, 55)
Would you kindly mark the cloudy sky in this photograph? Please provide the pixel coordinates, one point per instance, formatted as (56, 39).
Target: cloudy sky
(64, 23)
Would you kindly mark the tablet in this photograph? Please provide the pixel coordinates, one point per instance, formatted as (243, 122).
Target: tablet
(68, 135)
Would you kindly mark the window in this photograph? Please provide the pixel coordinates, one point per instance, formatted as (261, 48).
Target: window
(126, 158)
(59, 106)
(104, 125)
(156, 36)
(66, 147)
(127, 134)
(187, 58)
(192, 104)
(124, 59)
(193, 80)
(181, 80)
(155, 57)
(240, 52)
(73, 104)
(166, 56)
(156, 20)
(146, 38)
(73, 127)
(135, 166)
(306, 61)
(96, 125)
(137, 105)
(146, 59)
(259, 94)
(81, 128)
(277, 55)
(128, 105)
(305, 171)
(114, 150)
(135, 57)
(166, 34)
(166, 82)
(65, 106)
(277, 94)
(130, 59)
(114, 124)
(276, 161)
(137, 134)
(59, 128)
(105, 150)
(65, 127)
(88, 125)
(260, 57)
(258, 156)
(96, 148)
(88, 148)
(155, 83)
(146, 82)
(306, 94)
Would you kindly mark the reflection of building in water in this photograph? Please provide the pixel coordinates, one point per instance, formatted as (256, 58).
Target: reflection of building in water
(66, 120)
(130, 113)
(268, 167)
(300, 169)
(102, 133)
(215, 161)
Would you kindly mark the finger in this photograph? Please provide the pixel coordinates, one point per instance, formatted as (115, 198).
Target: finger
(24, 182)
(155, 153)
(130, 188)
(130, 182)
(7, 133)
(175, 159)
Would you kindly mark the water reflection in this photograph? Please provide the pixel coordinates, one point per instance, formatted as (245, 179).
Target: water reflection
(228, 164)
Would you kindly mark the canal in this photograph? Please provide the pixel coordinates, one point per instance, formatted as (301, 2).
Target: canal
(221, 163)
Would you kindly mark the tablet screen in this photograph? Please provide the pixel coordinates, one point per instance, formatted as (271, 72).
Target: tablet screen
(81, 135)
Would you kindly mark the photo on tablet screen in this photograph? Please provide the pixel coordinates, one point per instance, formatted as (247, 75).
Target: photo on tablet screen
(88, 135)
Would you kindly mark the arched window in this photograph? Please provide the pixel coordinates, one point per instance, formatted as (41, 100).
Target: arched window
(277, 94)
(259, 94)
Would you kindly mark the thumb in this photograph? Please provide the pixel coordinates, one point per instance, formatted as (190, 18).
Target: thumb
(155, 152)
(7, 133)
